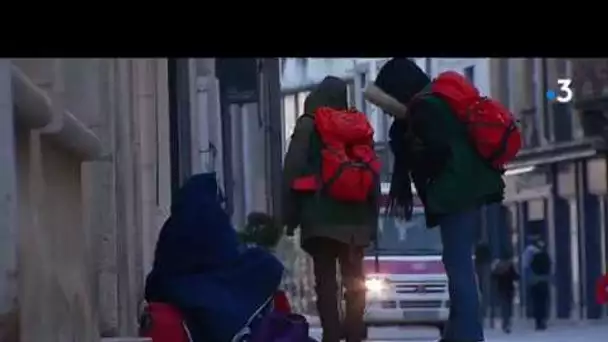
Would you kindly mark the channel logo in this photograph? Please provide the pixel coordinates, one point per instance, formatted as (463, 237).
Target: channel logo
(564, 93)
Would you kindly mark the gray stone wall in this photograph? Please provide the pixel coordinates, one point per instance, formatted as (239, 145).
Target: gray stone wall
(90, 192)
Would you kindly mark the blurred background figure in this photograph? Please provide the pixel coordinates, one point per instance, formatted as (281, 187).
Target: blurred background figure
(537, 274)
(505, 275)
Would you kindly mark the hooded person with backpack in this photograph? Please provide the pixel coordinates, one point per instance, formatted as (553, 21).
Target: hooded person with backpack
(331, 190)
(451, 143)
(537, 271)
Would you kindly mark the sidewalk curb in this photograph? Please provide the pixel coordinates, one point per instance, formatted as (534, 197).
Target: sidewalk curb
(313, 321)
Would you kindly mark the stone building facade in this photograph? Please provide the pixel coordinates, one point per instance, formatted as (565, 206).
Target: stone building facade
(84, 188)
(87, 154)
(562, 196)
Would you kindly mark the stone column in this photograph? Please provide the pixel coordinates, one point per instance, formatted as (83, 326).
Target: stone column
(590, 213)
(8, 209)
(563, 181)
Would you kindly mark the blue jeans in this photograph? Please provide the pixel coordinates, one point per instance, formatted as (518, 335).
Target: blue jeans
(458, 236)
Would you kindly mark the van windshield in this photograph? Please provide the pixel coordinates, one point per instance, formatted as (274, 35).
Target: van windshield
(399, 237)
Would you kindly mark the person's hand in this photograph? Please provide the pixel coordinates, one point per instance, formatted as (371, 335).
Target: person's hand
(290, 230)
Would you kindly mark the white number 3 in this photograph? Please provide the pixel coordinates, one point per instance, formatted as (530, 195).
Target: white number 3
(566, 93)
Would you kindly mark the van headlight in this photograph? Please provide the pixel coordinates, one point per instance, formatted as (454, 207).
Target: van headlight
(376, 285)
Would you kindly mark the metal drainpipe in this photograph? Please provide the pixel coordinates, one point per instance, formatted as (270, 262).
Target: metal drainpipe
(179, 122)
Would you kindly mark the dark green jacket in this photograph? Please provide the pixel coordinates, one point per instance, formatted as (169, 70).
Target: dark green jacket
(465, 180)
(316, 214)
(430, 144)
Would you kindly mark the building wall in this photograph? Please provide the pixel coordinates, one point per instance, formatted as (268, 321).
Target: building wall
(565, 199)
(302, 73)
(8, 210)
(92, 188)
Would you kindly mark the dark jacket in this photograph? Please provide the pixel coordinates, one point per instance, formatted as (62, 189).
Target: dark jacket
(201, 268)
(433, 147)
(505, 278)
(316, 214)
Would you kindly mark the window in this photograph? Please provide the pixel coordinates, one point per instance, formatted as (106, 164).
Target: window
(351, 94)
(398, 237)
(528, 87)
(289, 115)
(364, 106)
(469, 73)
(300, 104)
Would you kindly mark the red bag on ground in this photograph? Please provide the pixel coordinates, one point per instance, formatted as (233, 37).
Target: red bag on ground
(163, 323)
(349, 164)
(492, 128)
(281, 302)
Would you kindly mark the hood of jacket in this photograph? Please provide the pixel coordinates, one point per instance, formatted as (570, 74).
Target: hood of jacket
(201, 268)
(397, 82)
(331, 92)
(198, 234)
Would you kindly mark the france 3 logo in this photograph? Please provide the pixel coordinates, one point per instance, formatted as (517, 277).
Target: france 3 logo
(564, 93)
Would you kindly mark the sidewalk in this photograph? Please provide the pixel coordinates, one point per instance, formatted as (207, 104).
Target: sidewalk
(519, 324)
(559, 331)
(313, 321)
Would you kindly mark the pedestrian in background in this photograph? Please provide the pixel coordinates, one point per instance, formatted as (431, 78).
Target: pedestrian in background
(505, 275)
(537, 266)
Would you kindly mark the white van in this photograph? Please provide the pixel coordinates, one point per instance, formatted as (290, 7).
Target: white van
(407, 284)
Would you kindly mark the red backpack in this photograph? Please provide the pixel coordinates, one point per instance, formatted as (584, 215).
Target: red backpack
(602, 289)
(492, 128)
(349, 164)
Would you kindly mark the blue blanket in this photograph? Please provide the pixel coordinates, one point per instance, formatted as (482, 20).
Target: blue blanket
(200, 266)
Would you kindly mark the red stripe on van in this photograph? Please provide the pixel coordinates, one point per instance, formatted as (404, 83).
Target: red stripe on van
(405, 267)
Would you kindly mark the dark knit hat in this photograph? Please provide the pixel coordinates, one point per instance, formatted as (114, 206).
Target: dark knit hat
(401, 78)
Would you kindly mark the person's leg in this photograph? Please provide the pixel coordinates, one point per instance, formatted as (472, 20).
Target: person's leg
(507, 313)
(543, 303)
(536, 301)
(351, 266)
(458, 236)
(324, 262)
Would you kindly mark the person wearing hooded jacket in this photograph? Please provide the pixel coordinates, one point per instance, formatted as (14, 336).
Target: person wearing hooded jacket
(330, 230)
(201, 268)
(432, 149)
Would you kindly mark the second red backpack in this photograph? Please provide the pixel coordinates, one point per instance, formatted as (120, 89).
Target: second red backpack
(349, 164)
(491, 127)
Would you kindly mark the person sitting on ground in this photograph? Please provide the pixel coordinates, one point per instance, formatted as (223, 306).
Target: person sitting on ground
(201, 268)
